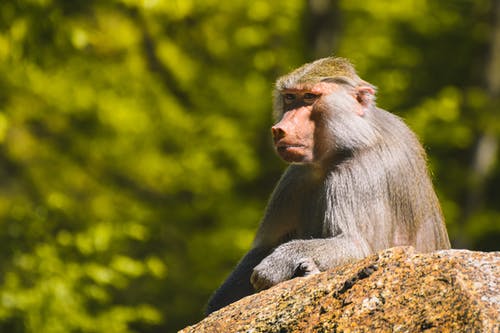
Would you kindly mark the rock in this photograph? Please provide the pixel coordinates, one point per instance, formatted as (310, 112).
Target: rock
(396, 290)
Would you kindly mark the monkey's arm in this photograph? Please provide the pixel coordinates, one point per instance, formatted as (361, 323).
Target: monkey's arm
(281, 218)
(305, 257)
(278, 223)
(237, 285)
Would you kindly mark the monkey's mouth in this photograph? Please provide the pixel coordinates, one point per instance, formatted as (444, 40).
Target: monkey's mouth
(292, 153)
(284, 147)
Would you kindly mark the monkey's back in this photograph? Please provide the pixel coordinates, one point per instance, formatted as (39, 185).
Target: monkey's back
(385, 192)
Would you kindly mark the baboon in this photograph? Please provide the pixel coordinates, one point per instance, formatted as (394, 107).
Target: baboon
(357, 183)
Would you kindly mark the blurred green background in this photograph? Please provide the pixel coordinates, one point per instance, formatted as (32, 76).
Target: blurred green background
(135, 154)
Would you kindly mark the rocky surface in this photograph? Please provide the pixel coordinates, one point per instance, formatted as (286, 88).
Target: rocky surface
(396, 290)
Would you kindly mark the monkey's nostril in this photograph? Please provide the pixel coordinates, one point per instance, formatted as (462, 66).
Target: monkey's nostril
(278, 132)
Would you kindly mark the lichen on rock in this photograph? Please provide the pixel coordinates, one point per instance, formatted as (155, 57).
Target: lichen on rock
(396, 290)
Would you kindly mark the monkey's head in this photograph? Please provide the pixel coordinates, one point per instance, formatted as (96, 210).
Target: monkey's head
(321, 108)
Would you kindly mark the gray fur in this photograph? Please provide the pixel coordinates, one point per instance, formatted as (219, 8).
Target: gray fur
(370, 192)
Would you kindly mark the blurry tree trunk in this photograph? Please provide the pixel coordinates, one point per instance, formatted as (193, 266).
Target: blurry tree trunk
(485, 153)
(322, 28)
(493, 71)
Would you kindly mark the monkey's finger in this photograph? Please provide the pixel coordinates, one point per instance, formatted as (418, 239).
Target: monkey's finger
(306, 267)
(258, 282)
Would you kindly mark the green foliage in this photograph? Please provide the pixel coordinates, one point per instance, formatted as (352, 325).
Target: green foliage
(134, 148)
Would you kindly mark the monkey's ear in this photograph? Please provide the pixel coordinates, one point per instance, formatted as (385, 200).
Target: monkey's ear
(365, 95)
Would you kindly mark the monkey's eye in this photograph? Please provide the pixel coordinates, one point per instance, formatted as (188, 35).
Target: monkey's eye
(310, 98)
(289, 98)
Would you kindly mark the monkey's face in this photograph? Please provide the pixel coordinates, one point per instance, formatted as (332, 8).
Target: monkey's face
(299, 134)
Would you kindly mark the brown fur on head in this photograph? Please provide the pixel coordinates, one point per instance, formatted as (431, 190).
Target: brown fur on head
(325, 69)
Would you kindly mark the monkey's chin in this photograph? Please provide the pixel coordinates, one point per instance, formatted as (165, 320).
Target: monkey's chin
(294, 154)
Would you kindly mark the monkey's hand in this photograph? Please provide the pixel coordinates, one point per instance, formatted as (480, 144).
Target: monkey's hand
(281, 265)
